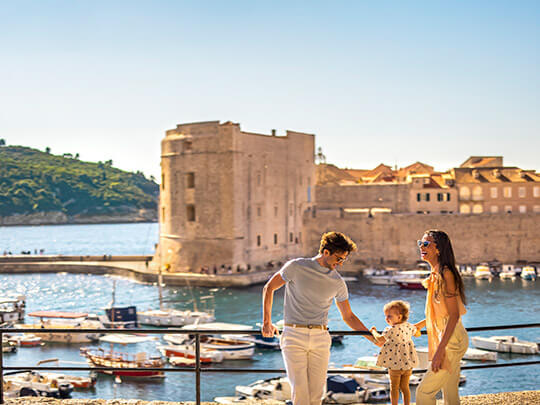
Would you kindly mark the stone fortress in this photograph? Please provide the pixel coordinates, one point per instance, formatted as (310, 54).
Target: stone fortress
(234, 201)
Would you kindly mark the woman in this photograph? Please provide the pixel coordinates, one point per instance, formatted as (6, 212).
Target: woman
(447, 338)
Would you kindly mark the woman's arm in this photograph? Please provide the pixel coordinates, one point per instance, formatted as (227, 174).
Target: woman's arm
(449, 295)
(420, 325)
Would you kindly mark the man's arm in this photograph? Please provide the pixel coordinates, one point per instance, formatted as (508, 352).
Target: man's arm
(351, 319)
(275, 283)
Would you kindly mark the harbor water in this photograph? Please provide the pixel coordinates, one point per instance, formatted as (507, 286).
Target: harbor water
(496, 302)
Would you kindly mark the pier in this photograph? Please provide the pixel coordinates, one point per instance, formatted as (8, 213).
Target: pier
(138, 268)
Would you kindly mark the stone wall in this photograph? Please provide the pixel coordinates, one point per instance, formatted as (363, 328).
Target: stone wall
(392, 237)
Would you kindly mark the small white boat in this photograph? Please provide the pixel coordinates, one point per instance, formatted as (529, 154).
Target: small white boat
(51, 320)
(188, 352)
(383, 277)
(412, 279)
(125, 338)
(278, 388)
(482, 273)
(471, 354)
(26, 340)
(33, 384)
(12, 309)
(505, 344)
(176, 338)
(528, 273)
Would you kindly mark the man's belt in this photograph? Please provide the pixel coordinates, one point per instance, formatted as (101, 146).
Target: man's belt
(296, 325)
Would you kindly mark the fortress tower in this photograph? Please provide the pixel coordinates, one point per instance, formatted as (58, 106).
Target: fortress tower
(232, 199)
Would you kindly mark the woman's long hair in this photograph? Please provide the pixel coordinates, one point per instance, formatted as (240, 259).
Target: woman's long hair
(447, 260)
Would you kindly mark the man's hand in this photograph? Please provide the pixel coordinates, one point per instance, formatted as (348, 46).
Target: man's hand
(269, 330)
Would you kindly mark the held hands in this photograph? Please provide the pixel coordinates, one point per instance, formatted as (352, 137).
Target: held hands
(376, 336)
(418, 333)
(269, 330)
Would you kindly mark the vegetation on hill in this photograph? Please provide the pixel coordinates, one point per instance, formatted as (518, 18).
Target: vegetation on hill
(32, 181)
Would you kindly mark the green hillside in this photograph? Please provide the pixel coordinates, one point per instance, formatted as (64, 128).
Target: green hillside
(32, 181)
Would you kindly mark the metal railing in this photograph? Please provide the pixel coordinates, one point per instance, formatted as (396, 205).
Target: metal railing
(197, 369)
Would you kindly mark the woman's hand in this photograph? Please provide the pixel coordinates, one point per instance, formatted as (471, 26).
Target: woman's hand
(436, 362)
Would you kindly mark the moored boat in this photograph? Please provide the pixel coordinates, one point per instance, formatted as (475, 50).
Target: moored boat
(33, 384)
(528, 273)
(412, 279)
(482, 273)
(507, 344)
(99, 357)
(12, 309)
(188, 352)
(26, 340)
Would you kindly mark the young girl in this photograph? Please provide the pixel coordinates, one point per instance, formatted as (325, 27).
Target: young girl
(397, 354)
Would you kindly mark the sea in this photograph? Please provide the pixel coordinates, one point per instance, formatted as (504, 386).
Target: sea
(490, 303)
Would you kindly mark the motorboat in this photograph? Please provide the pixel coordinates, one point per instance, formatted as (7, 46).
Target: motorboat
(483, 273)
(412, 279)
(471, 354)
(528, 273)
(466, 270)
(237, 347)
(170, 316)
(99, 357)
(12, 309)
(278, 388)
(33, 384)
(506, 344)
(383, 277)
(188, 352)
(176, 338)
(508, 272)
(50, 320)
(26, 340)
(57, 379)
(8, 346)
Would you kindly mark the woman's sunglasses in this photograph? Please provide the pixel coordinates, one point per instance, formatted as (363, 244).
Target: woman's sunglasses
(424, 243)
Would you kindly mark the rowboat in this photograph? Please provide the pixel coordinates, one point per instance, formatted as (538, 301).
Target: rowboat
(26, 340)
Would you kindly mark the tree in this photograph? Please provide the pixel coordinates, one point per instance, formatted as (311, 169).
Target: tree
(47, 150)
(2, 142)
(77, 156)
(320, 156)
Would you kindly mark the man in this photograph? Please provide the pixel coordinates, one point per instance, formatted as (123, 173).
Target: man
(311, 284)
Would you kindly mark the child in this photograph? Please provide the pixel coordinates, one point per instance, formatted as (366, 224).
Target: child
(397, 354)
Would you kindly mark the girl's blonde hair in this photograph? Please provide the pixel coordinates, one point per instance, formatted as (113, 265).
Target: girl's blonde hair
(402, 307)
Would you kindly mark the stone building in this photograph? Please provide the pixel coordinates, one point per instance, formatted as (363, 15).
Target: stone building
(232, 201)
(486, 186)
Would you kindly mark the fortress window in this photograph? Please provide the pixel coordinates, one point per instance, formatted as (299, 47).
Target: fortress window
(508, 209)
(190, 180)
(536, 208)
(522, 209)
(447, 196)
(418, 197)
(440, 197)
(275, 239)
(493, 192)
(290, 237)
(464, 193)
(464, 209)
(258, 240)
(494, 209)
(521, 192)
(536, 191)
(427, 196)
(163, 182)
(190, 212)
(478, 209)
(507, 192)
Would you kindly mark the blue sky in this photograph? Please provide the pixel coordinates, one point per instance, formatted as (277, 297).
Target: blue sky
(393, 82)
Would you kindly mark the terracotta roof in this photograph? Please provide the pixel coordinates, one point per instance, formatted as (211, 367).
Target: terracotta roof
(483, 161)
(495, 175)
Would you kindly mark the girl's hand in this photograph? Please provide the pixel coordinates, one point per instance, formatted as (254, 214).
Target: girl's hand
(417, 333)
(436, 362)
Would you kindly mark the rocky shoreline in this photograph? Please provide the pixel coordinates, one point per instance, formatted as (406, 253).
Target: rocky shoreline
(502, 398)
(60, 218)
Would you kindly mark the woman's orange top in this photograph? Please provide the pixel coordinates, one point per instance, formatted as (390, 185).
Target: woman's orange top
(437, 313)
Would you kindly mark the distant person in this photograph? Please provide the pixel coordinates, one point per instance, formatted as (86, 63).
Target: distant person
(311, 284)
(397, 354)
(447, 338)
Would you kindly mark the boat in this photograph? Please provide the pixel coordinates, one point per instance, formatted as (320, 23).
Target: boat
(51, 320)
(528, 273)
(278, 388)
(7, 346)
(126, 338)
(12, 309)
(412, 279)
(482, 273)
(26, 340)
(383, 277)
(33, 384)
(471, 354)
(172, 317)
(505, 344)
(188, 352)
(233, 347)
(99, 357)
(379, 377)
(508, 272)
(78, 382)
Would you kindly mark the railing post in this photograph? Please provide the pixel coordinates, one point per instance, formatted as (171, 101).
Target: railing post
(2, 369)
(198, 368)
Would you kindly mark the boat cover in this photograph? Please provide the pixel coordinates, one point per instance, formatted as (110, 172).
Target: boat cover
(339, 383)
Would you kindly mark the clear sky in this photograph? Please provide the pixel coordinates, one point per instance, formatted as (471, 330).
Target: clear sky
(376, 81)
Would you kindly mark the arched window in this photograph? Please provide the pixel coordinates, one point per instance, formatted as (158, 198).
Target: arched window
(465, 209)
(464, 193)
(477, 209)
(477, 193)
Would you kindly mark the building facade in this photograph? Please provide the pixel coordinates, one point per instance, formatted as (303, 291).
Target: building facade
(231, 200)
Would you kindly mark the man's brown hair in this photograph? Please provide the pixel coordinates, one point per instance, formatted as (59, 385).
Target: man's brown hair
(336, 242)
